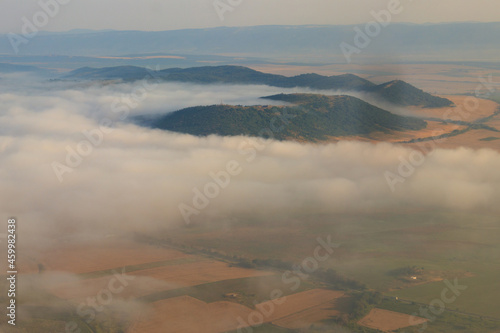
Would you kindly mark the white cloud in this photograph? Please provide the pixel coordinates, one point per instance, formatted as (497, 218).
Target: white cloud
(136, 178)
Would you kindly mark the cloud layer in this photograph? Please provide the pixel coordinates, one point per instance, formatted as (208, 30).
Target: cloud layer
(134, 179)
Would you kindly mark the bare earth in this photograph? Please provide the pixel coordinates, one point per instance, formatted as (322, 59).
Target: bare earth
(301, 301)
(304, 319)
(178, 315)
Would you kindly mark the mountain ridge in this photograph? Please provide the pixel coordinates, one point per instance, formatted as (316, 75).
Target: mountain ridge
(400, 93)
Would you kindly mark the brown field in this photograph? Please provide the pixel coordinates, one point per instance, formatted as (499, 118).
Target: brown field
(495, 122)
(470, 139)
(199, 273)
(300, 302)
(186, 314)
(304, 319)
(388, 321)
(109, 254)
(462, 111)
(434, 128)
(176, 314)
(168, 277)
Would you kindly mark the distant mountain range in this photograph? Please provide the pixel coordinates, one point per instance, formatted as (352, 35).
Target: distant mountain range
(313, 118)
(396, 42)
(396, 92)
(13, 68)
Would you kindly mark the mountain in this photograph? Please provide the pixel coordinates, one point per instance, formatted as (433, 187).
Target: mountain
(313, 118)
(13, 68)
(224, 74)
(396, 92)
(398, 42)
(402, 93)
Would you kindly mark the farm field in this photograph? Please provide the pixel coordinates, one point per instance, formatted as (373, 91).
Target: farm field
(174, 314)
(464, 109)
(448, 321)
(474, 139)
(79, 258)
(299, 302)
(447, 245)
(387, 321)
(148, 281)
(315, 314)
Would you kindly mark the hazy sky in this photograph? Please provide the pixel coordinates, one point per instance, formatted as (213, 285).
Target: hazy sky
(179, 14)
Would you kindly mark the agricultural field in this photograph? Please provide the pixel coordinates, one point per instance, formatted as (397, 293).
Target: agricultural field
(197, 269)
(447, 321)
(334, 305)
(388, 321)
(151, 280)
(442, 245)
(174, 314)
(80, 258)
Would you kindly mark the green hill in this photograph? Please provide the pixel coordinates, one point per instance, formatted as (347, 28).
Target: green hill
(313, 118)
(397, 92)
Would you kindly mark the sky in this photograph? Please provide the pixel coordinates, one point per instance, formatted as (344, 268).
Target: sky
(156, 15)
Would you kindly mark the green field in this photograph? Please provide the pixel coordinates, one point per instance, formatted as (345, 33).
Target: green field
(446, 245)
(248, 290)
(443, 323)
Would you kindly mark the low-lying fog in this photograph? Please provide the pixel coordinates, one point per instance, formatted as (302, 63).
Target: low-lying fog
(119, 176)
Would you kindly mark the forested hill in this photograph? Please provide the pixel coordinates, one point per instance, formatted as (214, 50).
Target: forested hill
(313, 118)
(396, 92)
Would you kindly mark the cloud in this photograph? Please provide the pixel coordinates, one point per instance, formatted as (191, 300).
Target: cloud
(136, 178)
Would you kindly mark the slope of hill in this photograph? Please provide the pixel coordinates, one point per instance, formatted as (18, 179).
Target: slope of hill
(313, 118)
(396, 92)
(226, 74)
(402, 93)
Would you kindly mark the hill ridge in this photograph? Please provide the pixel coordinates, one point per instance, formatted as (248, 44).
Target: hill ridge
(403, 94)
